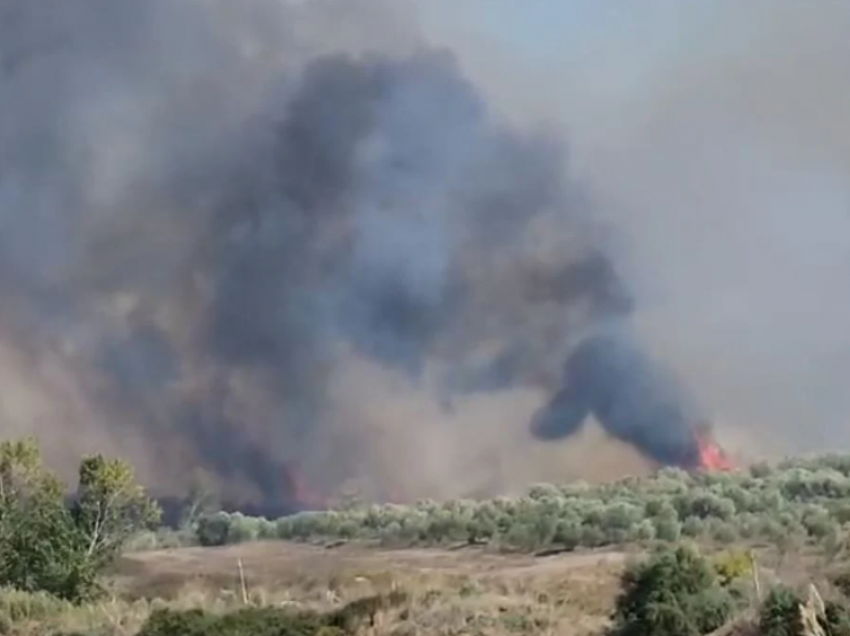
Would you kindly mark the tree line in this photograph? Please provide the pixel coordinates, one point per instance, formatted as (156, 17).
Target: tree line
(791, 504)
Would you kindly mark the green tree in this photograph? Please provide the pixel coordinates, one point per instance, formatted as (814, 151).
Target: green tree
(47, 546)
(110, 508)
(38, 540)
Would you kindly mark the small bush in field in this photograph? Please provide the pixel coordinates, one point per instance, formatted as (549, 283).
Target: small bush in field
(673, 593)
(780, 613)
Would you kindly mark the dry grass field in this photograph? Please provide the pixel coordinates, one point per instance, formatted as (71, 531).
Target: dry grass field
(463, 591)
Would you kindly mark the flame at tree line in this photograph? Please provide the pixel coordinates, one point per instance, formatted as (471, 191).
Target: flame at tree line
(712, 456)
(633, 396)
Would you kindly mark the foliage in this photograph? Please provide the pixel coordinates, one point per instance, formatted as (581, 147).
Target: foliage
(837, 619)
(780, 613)
(213, 530)
(47, 546)
(732, 565)
(247, 622)
(674, 593)
(110, 508)
(792, 504)
(271, 621)
(39, 544)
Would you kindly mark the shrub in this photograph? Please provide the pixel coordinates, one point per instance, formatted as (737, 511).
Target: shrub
(245, 622)
(271, 621)
(243, 529)
(837, 619)
(780, 613)
(732, 565)
(674, 593)
(213, 530)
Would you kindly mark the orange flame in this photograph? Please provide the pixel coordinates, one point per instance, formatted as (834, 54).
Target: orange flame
(712, 457)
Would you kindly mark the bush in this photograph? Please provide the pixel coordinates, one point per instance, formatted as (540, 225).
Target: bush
(732, 566)
(837, 619)
(271, 621)
(213, 530)
(674, 593)
(780, 613)
(246, 622)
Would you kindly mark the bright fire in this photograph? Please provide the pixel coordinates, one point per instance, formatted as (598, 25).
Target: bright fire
(712, 457)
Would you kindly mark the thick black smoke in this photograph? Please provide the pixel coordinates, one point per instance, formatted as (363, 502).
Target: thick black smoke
(632, 395)
(202, 238)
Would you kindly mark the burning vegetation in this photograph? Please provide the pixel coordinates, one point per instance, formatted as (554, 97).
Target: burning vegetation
(712, 456)
(635, 398)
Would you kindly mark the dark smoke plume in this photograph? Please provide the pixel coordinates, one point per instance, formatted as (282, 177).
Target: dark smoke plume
(632, 395)
(217, 218)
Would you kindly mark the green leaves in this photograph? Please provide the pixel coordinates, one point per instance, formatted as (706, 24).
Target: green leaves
(110, 508)
(674, 593)
(46, 546)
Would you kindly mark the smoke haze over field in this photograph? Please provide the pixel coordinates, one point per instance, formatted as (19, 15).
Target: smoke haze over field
(246, 236)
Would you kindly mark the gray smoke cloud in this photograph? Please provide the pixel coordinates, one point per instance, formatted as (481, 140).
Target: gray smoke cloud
(718, 135)
(306, 246)
(249, 237)
(745, 234)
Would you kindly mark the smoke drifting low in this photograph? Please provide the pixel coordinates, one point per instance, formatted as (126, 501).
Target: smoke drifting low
(225, 245)
(633, 396)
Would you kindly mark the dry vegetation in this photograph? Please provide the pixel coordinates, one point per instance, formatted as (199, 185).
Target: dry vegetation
(477, 568)
(468, 590)
(462, 591)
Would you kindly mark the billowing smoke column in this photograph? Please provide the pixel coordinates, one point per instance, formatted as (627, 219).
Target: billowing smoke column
(208, 216)
(635, 398)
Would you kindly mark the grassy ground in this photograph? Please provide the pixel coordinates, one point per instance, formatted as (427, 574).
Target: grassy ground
(466, 591)
(463, 591)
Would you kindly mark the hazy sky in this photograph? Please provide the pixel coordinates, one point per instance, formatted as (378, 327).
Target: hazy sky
(721, 127)
(625, 37)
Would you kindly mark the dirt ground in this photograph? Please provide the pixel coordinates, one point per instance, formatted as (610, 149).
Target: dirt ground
(467, 590)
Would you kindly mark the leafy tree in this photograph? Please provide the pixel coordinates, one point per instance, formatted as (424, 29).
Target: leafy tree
(38, 540)
(110, 508)
(674, 593)
(47, 546)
